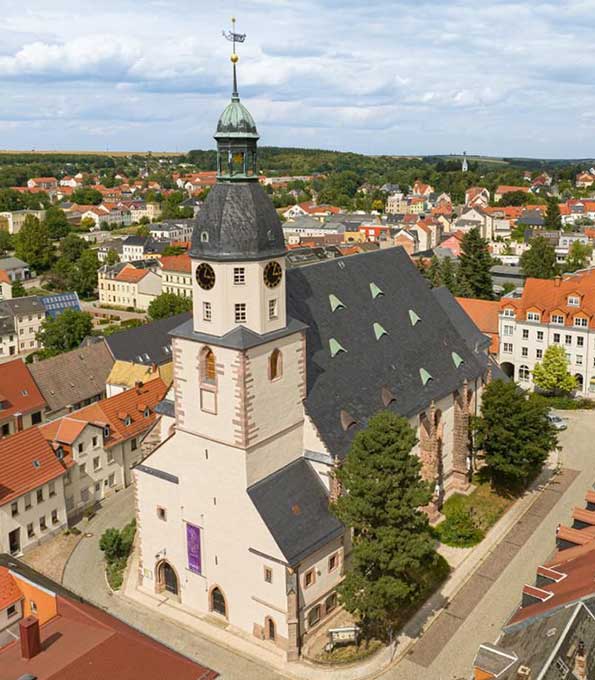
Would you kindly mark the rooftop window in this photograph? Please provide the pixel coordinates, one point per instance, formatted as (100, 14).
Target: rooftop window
(335, 303)
(376, 292)
(425, 376)
(457, 359)
(379, 331)
(335, 347)
(413, 317)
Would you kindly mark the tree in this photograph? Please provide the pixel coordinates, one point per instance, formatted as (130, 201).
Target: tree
(87, 224)
(435, 272)
(539, 261)
(72, 247)
(6, 244)
(474, 277)
(34, 245)
(56, 222)
(393, 548)
(143, 230)
(112, 257)
(111, 544)
(516, 198)
(513, 432)
(83, 276)
(552, 220)
(18, 290)
(448, 273)
(174, 250)
(168, 304)
(551, 374)
(579, 256)
(65, 332)
(86, 196)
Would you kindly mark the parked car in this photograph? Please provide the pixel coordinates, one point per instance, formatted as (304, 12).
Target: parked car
(557, 422)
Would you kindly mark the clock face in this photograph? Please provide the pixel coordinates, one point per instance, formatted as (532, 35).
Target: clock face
(205, 276)
(273, 273)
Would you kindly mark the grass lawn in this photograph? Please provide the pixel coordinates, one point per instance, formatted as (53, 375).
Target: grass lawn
(468, 518)
(350, 653)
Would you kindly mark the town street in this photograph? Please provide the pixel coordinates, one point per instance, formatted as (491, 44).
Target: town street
(441, 653)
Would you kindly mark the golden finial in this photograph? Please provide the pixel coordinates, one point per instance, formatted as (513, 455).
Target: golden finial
(234, 58)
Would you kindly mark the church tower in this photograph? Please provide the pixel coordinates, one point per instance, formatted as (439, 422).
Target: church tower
(464, 164)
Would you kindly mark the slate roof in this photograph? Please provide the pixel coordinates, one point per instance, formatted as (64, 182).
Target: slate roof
(237, 222)
(353, 379)
(474, 338)
(148, 344)
(73, 377)
(8, 263)
(23, 305)
(293, 503)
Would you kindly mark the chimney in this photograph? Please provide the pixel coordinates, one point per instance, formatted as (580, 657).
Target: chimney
(580, 662)
(523, 673)
(29, 634)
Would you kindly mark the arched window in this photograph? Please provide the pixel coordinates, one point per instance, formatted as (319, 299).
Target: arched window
(524, 373)
(269, 628)
(208, 369)
(275, 365)
(218, 604)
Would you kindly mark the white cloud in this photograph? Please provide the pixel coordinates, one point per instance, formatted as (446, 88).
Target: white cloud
(434, 76)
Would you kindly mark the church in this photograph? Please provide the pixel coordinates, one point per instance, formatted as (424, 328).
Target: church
(274, 375)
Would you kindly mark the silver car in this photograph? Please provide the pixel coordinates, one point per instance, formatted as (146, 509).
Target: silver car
(557, 422)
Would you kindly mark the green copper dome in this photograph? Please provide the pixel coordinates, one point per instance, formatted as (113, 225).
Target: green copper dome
(236, 121)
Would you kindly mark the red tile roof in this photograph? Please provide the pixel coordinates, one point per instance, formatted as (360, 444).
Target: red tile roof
(4, 278)
(176, 263)
(506, 189)
(484, 314)
(9, 592)
(89, 643)
(550, 296)
(108, 411)
(130, 275)
(64, 430)
(18, 390)
(27, 461)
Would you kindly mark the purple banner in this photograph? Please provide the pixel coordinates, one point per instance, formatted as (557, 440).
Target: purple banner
(193, 545)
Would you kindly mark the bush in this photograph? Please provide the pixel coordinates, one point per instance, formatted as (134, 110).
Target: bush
(459, 529)
(568, 403)
(111, 544)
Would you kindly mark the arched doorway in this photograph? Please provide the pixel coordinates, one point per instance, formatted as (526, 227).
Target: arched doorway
(507, 369)
(580, 383)
(167, 579)
(218, 604)
(269, 628)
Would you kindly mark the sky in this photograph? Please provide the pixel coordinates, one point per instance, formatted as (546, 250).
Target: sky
(503, 78)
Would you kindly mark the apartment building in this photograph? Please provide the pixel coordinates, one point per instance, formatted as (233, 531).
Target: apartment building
(21, 403)
(32, 506)
(13, 220)
(28, 313)
(550, 312)
(176, 275)
(125, 285)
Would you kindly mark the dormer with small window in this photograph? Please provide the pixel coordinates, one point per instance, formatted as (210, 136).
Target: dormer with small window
(534, 316)
(573, 300)
(580, 321)
(509, 312)
(557, 318)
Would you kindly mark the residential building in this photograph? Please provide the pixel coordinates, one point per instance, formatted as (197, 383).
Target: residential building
(152, 211)
(310, 208)
(48, 184)
(12, 221)
(28, 313)
(136, 248)
(503, 189)
(585, 180)
(552, 633)
(125, 285)
(113, 245)
(422, 189)
(396, 204)
(5, 286)
(477, 197)
(32, 506)
(71, 380)
(22, 405)
(274, 374)
(16, 269)
(172, 230)
(550, 312)
(176, 275)
(8, 337)
(472, 218)
(52, 634)
(125, 375)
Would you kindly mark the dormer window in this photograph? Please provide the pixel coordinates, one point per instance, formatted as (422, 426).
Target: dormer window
(509, 313)
(106, 432)
(533, 316)
(558, 319)
(573, 301)
(581, 322)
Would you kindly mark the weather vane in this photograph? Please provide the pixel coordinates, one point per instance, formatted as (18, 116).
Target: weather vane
(234, 38)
